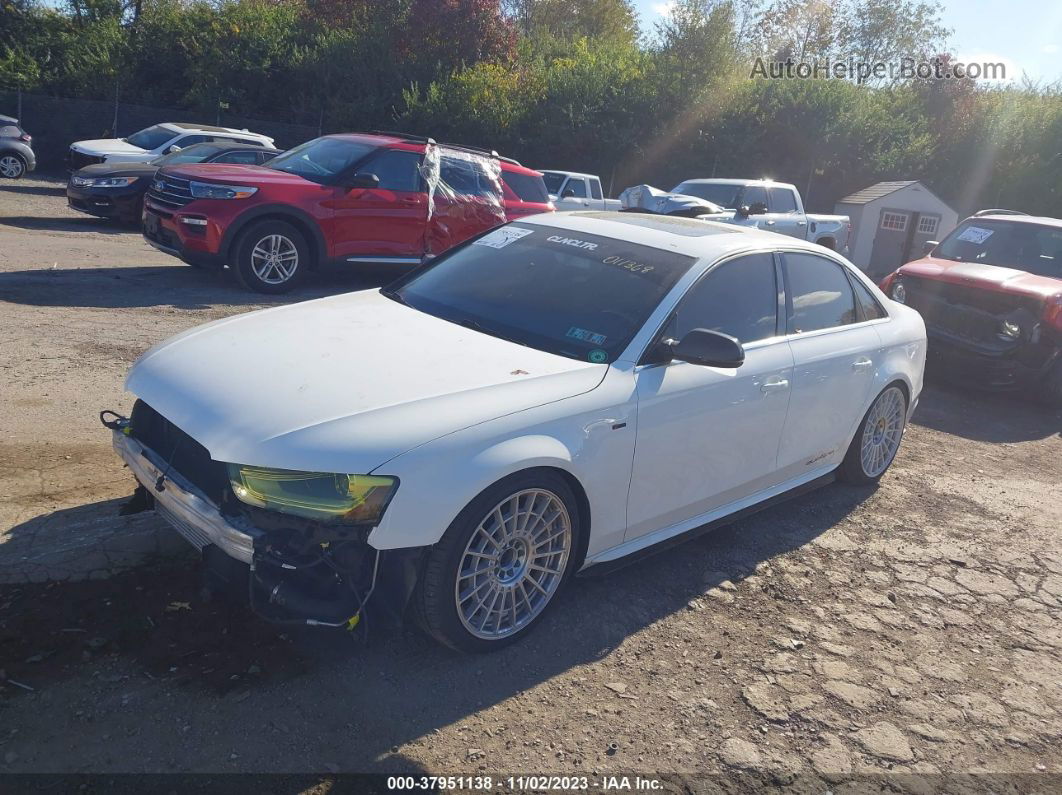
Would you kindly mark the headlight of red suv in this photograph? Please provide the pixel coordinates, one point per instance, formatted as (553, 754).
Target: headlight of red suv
(212, 190)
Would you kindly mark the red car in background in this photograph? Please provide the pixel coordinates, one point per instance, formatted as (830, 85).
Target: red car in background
(991, 297)
(524, 190)
(353, 198)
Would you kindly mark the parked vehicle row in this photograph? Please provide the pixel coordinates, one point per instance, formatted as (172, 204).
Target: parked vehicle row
(157, 140)
(562, 393)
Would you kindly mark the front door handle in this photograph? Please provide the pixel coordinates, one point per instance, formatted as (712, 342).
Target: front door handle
(862, 364)
(802, 223)
(769, 223)
(774, 385)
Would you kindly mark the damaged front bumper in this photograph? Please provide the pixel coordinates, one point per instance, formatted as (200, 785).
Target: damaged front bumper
(194, 516)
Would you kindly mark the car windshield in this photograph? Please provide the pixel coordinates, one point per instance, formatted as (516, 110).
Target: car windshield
(321, 159)
(151, 138)
(723, 195)
(196, 153)
(553, 181)
(1035, 248)
(575, 294)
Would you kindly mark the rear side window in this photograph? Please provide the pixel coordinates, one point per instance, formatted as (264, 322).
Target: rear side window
(782, 200)
(739, 298)
(398, 170)
(819, 293)
(595, 188)
(527, 186)
(754, 194)
(248, 156)
(868, 304)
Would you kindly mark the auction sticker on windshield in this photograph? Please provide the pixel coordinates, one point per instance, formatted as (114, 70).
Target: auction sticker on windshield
(502, 237)
(975, 234)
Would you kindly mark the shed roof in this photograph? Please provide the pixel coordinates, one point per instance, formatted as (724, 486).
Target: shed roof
(873, 192)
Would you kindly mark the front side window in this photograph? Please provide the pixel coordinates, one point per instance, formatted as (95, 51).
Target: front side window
(191, 154)
(738, 297)
(247, 156)
(725, 195)
(820, 296)
(1034, 248)
(576, 187)
(782, 200)
(754, 194)
(553, 180)
(322, 159)
(398, 170)
(575, 294)
(151, 138)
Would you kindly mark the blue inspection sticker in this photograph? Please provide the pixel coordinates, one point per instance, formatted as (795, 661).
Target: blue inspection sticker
(597, 356)
(583, 335)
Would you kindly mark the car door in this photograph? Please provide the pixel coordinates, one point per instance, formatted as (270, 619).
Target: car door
(785, 214)
(708, 436)
(579, 198)
(835, 352)
(386, 222)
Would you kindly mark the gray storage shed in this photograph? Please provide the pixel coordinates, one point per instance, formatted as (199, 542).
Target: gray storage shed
(891, 222)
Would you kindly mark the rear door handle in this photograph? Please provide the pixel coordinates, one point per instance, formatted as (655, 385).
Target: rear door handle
(862, 364)
(774, 385)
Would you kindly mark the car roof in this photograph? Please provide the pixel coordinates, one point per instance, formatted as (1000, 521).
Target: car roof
(738, 182)
(689, 236)
(181, 126)
(1041, 220)
(569, 173)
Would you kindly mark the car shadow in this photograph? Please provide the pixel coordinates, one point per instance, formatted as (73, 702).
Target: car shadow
(55, 189)
(176, 285)
(984, 416)
(359, 702)
(87, 223)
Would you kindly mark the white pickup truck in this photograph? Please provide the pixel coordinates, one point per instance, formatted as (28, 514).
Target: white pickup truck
(569, 190)
(774, 206)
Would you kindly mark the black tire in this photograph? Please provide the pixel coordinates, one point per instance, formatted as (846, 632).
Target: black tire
(435, 599)
(18, 166)
(852, 469)
(256, 235)
(1050, 393)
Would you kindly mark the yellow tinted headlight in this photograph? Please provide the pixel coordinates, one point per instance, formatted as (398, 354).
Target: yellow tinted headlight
(314, 495)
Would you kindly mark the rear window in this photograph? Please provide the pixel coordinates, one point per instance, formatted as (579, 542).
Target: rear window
(528, 187)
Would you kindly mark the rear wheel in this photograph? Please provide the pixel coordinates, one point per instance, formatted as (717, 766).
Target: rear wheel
(500, 564)
(271, 257)
(12, 166)
(878, 438)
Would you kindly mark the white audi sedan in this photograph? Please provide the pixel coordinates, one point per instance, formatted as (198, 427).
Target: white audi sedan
(560, 393)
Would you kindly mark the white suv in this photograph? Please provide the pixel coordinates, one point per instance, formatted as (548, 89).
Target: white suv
(160, 139)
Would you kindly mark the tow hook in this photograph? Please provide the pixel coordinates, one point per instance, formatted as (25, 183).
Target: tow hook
(115, 421)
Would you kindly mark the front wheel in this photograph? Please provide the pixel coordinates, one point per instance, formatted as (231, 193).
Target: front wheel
(12, 166)
(500, 564)
(877, 439)
(272, 257)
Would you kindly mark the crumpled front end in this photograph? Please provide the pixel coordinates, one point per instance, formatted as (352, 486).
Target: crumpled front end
(293, 568)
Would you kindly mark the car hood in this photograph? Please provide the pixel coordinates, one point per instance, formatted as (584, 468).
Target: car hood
(989, 277)
(342, 384)
(117, 170)
(106, 146)
(232, 172)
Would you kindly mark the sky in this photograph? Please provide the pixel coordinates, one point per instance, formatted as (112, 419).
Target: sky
(1026, 35)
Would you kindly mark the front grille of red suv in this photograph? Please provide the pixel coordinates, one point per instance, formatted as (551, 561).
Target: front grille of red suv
(170, 192)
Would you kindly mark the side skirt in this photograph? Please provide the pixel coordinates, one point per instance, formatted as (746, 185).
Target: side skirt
(614, 564)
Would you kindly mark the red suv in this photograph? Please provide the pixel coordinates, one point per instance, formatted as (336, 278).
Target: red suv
(991, 296)
(382, 197)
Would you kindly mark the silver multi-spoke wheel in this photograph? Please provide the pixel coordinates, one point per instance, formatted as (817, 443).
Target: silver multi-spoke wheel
(882, 432)
(274, 259)
(11, 167)
(513, 564)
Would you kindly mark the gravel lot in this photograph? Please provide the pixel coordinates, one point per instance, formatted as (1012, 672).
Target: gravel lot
(915, 627)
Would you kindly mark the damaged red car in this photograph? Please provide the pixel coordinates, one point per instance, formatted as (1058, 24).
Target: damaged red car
(991, 296)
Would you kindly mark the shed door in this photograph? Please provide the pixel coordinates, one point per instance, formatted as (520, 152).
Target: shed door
(924, 226)
(890, 241)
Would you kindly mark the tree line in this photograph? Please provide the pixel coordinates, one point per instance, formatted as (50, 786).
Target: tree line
(573, 84)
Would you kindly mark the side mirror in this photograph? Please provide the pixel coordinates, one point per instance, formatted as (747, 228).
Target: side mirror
(568, 194)
(709, 348)
(928, 246)
(757, 208)
(360, 180)
(172, 149)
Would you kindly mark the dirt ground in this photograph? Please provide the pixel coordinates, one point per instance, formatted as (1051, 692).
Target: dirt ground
(910, 628)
